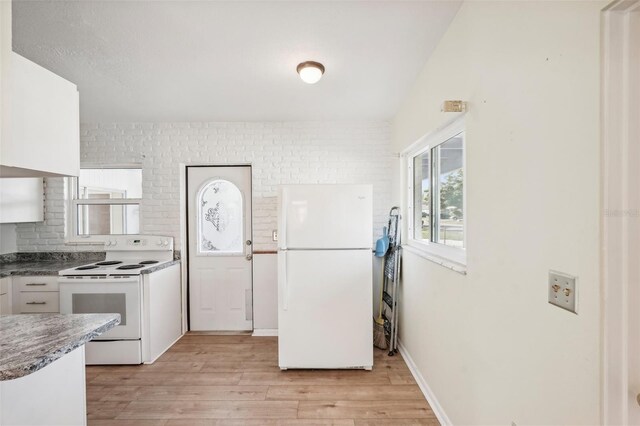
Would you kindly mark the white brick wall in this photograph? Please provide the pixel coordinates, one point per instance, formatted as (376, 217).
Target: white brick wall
(279, 152)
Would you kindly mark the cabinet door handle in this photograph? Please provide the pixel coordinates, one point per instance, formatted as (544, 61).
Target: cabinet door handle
(36, 303)
(30, 284)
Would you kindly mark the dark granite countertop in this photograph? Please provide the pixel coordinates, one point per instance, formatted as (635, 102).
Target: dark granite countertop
(159, 266)
(37, 267)
(30, 342)
(45, 263)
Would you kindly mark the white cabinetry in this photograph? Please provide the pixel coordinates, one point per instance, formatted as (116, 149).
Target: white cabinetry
(21, 200)
(5, 52)
(36, 294)
(5, 296)
(40, 133)
(54, 395)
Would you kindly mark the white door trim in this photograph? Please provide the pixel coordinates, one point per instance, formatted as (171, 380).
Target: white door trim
(184, 247)
(184, 229)
(619, 253)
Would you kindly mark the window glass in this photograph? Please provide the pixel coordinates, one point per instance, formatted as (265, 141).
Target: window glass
(220, 222)
(422, 197)
(448, 162)
(110, 183)
(106, 201)
(108, 219)
(438, 192)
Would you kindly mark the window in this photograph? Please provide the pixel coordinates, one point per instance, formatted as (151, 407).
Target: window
(436, 184)
(105, 201)
(220, 221)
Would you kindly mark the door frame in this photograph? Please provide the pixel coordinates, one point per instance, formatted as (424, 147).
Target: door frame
(618, 183)
(184, 232)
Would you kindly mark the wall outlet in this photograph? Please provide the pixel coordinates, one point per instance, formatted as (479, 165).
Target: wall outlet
(562, 291)
(274, 235)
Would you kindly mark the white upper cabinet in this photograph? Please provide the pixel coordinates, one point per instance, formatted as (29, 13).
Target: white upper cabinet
(40, 116)
(21, 200)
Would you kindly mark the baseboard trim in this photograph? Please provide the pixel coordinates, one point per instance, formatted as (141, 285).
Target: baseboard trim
(424, 387)
(265, 332)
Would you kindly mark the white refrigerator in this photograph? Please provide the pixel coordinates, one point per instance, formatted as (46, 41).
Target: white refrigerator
(325, 276)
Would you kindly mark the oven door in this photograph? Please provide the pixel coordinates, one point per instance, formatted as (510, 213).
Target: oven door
(105, 295)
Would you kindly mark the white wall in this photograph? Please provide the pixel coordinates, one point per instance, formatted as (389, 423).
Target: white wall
(280, 152)
(488, 344)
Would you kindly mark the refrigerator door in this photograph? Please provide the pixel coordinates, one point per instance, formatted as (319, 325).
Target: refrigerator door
(325, 309)
(325, 217)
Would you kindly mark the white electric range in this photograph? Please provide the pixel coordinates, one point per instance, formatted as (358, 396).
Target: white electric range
(139, 280)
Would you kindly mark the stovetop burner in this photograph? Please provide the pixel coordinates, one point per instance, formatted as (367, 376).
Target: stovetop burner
(138, 266)
(148, 262)
(84, 268)
(108, 262)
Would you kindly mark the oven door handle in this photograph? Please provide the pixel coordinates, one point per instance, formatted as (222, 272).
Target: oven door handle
(65, 280)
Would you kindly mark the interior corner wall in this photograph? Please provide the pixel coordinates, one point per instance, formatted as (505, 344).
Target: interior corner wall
(489, 346)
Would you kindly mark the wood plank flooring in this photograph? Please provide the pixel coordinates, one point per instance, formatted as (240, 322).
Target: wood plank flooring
(218, 380)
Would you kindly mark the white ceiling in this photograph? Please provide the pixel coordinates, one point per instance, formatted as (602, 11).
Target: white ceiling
(234, 60)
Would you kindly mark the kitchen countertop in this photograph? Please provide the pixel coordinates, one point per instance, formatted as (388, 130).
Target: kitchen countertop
(38, 267)
(30, 342)
(45, 263)
(159, 266)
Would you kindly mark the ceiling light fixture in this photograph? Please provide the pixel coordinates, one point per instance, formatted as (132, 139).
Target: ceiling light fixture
(310, 71)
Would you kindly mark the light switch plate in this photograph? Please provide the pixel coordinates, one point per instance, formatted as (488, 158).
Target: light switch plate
(563, 291)
(274, 235)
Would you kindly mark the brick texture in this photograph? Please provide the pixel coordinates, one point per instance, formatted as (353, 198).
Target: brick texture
(279, 152)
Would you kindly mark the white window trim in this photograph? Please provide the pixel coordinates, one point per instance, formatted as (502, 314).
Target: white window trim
(454, 258)
(72, 237)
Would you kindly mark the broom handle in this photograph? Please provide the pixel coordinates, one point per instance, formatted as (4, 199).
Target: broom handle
(381, 293)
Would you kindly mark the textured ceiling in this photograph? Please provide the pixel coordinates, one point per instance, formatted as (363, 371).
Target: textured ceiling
(234, 60)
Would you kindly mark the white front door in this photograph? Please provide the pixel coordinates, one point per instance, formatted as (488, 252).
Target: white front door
(220, 260)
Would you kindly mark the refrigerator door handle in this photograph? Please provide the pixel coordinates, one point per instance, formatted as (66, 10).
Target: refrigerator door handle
(285, 296)
(282, 238)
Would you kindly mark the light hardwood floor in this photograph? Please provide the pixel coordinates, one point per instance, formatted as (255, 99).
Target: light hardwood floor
(235, 380)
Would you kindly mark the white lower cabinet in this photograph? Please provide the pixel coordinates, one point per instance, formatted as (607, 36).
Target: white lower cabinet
(54, 395)
(35, 294)
(36, 302)
(5, 296)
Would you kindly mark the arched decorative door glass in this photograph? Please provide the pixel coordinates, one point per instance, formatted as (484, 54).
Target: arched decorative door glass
(220, 222)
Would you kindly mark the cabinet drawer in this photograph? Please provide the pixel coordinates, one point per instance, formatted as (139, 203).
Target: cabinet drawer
(36, 283)
(4, 285)
(39, 301)
(5, 305)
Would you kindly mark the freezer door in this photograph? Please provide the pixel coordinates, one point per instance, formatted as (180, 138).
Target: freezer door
(325, 309)
(325, 216)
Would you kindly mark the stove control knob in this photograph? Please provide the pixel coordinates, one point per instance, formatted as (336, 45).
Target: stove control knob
(114, 242)
(159, 242)
(107, 243)
(165, 243)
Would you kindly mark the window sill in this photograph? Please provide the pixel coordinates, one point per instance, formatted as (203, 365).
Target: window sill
(429, 255)
(84, 242)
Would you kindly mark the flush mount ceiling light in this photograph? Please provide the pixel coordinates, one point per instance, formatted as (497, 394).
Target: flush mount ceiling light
(310, 71)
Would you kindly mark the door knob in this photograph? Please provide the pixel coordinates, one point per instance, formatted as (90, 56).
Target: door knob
(638, 399)
(248, 242)
(249, 257)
